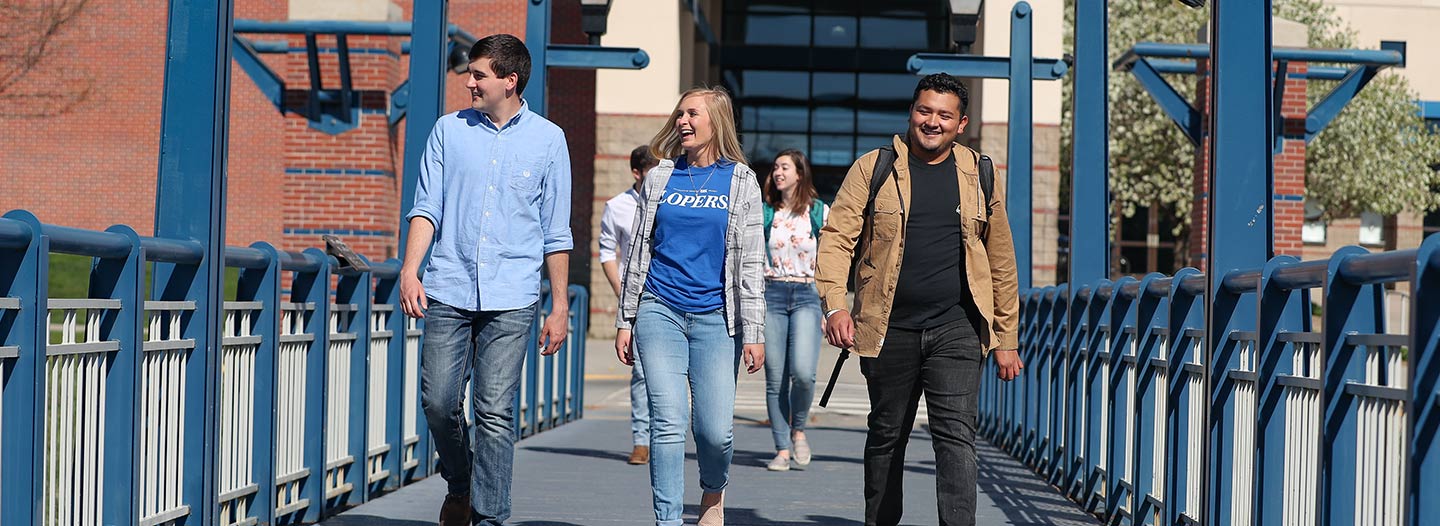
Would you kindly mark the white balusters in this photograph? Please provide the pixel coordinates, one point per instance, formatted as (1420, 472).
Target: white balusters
(1242, 470)
(1381, 459)
(408, 417)
(338, 460)
(376, 447)
(75, 368)
(290, 385)
(1302, 440)
(237, 411)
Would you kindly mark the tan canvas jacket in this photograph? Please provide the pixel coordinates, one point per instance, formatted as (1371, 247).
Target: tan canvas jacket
(989, 251)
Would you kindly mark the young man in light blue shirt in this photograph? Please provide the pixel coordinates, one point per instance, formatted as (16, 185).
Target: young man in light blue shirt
(494, 198)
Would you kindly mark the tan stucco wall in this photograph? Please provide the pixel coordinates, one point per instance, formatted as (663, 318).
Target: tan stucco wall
(654, 26)
(1048, 42)
(1411, 21)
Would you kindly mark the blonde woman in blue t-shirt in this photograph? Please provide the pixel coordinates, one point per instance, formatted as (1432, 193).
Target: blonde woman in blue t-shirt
(694, 297)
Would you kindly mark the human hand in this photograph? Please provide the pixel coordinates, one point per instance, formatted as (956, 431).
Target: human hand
(623, 351)
(840, 329)
(412, 295)
(754, 357)
(556, 328)
(1008, 364)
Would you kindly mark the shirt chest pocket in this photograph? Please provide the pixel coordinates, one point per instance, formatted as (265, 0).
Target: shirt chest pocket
(524, 174)
(886, 222)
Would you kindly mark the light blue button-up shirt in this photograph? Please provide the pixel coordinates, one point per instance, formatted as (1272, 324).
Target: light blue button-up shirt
(499, 198)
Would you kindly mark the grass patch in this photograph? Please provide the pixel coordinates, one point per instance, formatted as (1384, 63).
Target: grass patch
(70, 277)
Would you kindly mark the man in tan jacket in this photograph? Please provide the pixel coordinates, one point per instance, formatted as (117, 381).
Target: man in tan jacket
(935, 294)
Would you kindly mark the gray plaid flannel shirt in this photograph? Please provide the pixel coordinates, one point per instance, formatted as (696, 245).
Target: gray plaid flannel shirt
(744, 253)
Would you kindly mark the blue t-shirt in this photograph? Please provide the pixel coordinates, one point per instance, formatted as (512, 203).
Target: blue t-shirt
(687, 266)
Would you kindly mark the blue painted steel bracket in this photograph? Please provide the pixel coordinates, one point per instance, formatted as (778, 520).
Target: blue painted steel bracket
(271, 84)
(1180, 111)
(982, 67)
(1147, 60)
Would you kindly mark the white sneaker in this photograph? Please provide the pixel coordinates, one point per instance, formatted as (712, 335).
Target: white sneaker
(779, 463)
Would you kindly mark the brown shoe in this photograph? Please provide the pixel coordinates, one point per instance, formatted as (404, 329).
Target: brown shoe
(455, 511)
(712, 509)
(640, 455)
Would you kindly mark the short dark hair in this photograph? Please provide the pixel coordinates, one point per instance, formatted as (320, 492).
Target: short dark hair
(943, 83)
(507, 55)
(641, 160)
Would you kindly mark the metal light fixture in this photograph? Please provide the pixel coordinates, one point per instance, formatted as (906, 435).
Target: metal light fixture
(593, 16)
(964, 17)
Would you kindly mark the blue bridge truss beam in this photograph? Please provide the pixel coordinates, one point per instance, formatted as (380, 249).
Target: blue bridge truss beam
(1148, 60)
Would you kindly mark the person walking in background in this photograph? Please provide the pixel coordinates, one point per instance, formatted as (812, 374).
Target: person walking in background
(693, 297)
(617, 230)
(935, 293)
(794, 215)
(494, 197)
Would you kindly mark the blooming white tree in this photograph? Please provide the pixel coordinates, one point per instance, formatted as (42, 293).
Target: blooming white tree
(1377, 155)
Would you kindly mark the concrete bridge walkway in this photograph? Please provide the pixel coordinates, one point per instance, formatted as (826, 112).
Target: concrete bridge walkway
(576, 475)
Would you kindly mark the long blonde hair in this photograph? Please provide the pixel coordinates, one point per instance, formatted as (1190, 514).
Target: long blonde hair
(666, 144)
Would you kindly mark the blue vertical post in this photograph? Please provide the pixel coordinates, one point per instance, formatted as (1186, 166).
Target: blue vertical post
(312, 289)
(263, 285)
(1019, 161)
(1425, 387)
(21, 462)
(123, 278)
(1123, 374)
(1057, 368)
(190, 204)
(1150, 395)
(429, 31)
(1186, 321)
(1350, 308)
(428, 35)
(353, 291)
(387, 292)
(1283, 331)
(1089, 171)
(1241, 176)
(537, 39)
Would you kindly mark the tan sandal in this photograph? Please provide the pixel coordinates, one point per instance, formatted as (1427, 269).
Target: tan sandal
(712, 509)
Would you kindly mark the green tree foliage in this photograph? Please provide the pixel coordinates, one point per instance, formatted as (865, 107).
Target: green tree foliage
(1376, 155)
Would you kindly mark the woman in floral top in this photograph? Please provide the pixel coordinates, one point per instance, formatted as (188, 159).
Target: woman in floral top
(793, 217)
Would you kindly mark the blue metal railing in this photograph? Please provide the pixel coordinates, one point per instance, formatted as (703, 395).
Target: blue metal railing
(315, 390)
(1335, 424)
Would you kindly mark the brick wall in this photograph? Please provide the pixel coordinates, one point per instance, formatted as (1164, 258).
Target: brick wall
(287, 182)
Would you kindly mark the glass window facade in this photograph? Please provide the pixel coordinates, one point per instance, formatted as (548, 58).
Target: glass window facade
(824, 76)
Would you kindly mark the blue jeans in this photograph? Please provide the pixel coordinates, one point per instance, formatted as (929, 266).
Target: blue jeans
(792, 348)
(639, 405)
(686, 356)
(487, 349)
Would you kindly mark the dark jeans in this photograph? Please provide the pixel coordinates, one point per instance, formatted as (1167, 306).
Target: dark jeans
(943, 363)
(486, 349)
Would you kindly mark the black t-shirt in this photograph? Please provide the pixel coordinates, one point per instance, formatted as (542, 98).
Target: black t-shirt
(931, 290)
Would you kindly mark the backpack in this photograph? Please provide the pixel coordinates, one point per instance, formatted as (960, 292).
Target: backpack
(884, 164)
(817, 221)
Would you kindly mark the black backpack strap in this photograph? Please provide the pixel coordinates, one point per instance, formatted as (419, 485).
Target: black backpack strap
(987, 180)
(884, 164)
